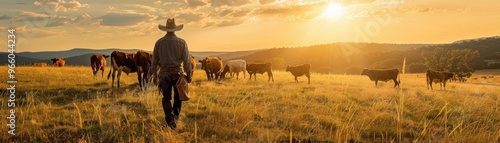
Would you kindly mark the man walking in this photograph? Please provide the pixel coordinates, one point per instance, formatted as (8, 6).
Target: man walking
(170, 52)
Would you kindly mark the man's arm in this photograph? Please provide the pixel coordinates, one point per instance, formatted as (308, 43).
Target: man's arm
(187, 61)
(154, 62)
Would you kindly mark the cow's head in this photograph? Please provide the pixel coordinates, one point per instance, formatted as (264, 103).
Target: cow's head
(204, 62)
(287, 68)
(449, 75)
(365, 72)
(54, 60)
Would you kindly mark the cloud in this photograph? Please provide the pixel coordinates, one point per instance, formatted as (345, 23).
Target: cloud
(145, 7)
(224, 22)
(31, 32)
(55, 21)
(351, 2)
(124, 18)
(230, 13)
(266, 1)
(189, 17)
(195, 3)
(305, 11)
(5, 17)
(61, 5)
(399, 10)
(218, 3)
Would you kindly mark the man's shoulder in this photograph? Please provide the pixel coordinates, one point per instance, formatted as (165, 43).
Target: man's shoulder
(171, 38)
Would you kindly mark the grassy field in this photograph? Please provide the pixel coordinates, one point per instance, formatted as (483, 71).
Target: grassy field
(68, 105)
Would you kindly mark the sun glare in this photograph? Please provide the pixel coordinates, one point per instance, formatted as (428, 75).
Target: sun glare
(333, 10)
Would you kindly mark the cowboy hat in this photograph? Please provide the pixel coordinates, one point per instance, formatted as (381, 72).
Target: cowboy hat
(170, 27)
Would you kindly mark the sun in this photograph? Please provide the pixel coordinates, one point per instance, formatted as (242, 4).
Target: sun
(333, 10)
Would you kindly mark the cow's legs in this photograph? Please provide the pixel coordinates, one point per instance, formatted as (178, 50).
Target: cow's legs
(102, 73)
(297, 81)
(308, 75)
(145, 77)
(376, 82)
(119, 75)
(113, 78)
(270, 75)
(139, 78)
(444, 85)
(396, 83)
(237, 75)
(430, 84)
(94, 72)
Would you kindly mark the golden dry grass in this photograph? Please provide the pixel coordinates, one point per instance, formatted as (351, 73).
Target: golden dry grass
(67, 105)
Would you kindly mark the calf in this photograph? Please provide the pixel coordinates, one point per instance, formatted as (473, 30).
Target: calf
(300, 70)
(382, 75)
(98, 62)
(260, 68)
(58, 62)
(121, 61)
(40, 64)
(235, 67)
(437, 77)
(212, 67)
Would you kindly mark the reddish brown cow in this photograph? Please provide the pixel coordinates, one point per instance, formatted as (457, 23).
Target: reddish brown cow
(143, 61)
(98, 62)
(121, 61)
(260, 68)
(438, 77)
(58, 62)
(300, 70)
(212, 67)
(382, 75)
(40, 64)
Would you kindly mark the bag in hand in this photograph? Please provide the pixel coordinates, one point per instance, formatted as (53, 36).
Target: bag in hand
(183, 88)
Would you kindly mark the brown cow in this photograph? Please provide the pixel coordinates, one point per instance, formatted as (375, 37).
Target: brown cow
(98, 62)
(143, 61)
(300, 70)
(40, 64)
(383, 75)
(212, 67)
(58, 62)
(121, 61)
(438, 77)
(224, 71)
(260, 68)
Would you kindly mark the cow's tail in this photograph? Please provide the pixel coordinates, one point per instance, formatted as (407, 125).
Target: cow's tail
(113, 64)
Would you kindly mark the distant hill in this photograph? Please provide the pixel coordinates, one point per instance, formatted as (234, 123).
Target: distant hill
(20, 60)
(343, 57)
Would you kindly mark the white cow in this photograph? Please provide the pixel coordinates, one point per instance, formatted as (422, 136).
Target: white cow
(237, 66)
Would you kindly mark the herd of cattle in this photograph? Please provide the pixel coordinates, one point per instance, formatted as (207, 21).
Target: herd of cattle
(215, 69)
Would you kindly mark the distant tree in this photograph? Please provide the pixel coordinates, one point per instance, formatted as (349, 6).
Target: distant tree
(455, 60)
(478, 63)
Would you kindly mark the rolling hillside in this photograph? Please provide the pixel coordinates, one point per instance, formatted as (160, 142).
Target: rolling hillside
(341, 57)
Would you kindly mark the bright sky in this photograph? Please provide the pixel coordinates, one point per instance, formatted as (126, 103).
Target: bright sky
(232, 25)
